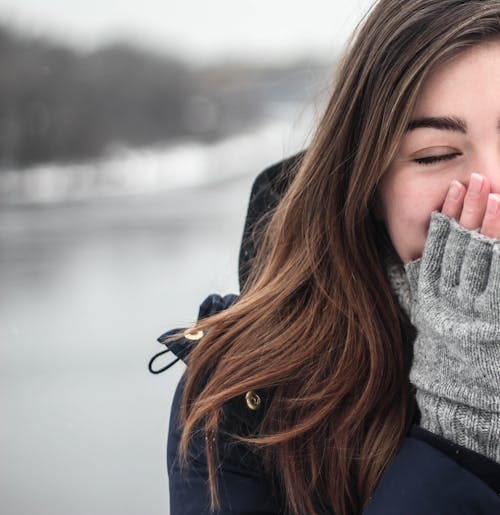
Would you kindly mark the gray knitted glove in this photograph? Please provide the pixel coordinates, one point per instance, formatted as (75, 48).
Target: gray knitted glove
(455, 306)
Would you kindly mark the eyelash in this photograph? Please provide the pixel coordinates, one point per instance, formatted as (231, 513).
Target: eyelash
(435, 159)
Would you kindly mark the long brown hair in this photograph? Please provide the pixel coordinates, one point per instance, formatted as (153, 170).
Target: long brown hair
(317, 328)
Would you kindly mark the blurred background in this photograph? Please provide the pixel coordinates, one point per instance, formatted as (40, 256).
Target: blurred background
(130, 134)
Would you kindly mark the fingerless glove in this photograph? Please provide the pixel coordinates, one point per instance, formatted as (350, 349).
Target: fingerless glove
(455, 307)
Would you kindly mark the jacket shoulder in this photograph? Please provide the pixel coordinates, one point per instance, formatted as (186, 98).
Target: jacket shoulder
(422, 480)
(244, 413)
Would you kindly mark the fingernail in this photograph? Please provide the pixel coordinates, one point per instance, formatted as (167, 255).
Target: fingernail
(493, 204)
(455, 190)
(475, 184)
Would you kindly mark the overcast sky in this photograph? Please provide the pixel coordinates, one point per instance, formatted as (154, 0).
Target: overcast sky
(200, 30)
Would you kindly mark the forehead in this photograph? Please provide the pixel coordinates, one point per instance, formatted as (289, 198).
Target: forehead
(474, 72)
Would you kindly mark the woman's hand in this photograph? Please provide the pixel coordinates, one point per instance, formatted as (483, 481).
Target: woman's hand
(455, 307)
(474, 207)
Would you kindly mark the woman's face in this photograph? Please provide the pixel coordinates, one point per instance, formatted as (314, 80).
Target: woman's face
(455, 130)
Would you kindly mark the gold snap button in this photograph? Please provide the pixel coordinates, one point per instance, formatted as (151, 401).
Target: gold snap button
(253, 400)
(193, 335)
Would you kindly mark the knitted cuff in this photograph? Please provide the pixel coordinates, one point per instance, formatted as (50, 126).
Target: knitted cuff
(477, 430)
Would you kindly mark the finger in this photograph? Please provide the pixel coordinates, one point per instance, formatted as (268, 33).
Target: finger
(437, 236)
(475, 268)
(453, 256)
(491, 221)
(492, 297)
(475, 202)
(453, 202)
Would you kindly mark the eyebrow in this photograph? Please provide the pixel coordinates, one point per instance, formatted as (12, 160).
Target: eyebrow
(446, 123)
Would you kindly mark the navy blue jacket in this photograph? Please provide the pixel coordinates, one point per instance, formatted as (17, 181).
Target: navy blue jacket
(429, 475)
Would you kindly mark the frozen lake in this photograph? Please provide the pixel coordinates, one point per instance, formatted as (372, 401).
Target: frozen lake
(86, 287)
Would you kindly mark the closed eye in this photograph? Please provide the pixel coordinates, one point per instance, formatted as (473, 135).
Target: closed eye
(435, 159)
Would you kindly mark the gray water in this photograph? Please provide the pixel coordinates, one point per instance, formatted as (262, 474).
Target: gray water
(85, 290)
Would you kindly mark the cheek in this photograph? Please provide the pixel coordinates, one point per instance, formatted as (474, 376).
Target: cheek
(407, 211)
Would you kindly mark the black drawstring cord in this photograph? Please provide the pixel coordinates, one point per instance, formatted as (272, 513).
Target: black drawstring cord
(181, 347)
(166, 367)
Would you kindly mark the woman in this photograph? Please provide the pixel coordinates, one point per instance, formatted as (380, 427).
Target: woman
(297, 395)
